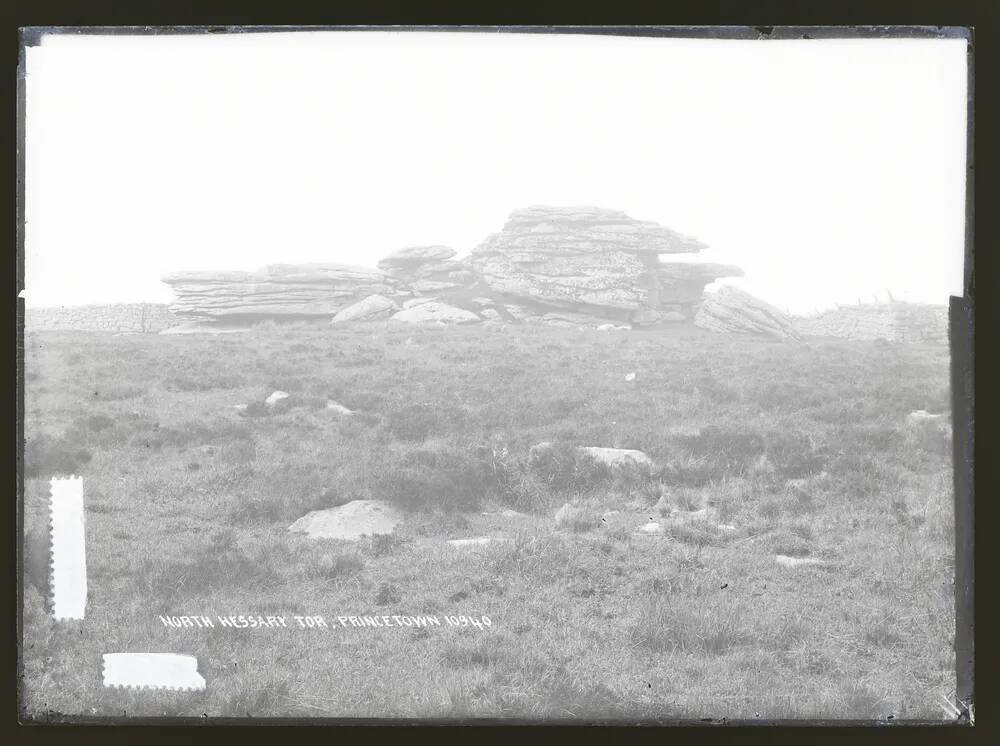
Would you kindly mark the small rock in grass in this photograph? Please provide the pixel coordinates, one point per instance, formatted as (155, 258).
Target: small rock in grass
(921, 415)
(478, 541)
(333, 406)
(617, 456)
(275, 397)
(650, 528)
(505, 513)
(786, 561)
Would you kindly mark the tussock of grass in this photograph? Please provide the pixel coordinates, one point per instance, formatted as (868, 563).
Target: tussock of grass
(334, 566)
(212, 565)
(713, 625)
(698, 533)
(388, 594)
(204, 381)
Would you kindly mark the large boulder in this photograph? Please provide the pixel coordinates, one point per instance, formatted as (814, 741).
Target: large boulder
(351, 521)
(731, 310)
(593, 260)
(436, 311)
(372, 308)
(275, 291)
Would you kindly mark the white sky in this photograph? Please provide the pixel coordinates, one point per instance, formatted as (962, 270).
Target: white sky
(828, 169)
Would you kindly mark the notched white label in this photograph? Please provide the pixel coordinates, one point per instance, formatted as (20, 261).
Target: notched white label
(152, 671)
(69, 554)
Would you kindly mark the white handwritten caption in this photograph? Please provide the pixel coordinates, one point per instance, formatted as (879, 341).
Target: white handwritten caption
(256, 621)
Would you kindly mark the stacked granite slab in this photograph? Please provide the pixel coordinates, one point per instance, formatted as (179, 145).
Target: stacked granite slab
(427, 269)
(277, 290)
(734, 311)
(594, 261)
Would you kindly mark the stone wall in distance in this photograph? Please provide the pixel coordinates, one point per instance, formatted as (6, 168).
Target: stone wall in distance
(119, 317)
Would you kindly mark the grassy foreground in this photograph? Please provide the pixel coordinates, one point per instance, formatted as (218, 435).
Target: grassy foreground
(801, 448)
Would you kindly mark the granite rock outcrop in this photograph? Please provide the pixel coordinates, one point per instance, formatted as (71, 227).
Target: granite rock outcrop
(562, 266)
(731, 310)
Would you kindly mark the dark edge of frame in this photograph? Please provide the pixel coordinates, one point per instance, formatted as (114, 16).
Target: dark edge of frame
(961, 319)
(19, 373)
(961, 330)
(32, 35)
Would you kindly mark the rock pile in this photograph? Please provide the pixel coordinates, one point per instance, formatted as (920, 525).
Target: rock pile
(735, 311)
(594, 262)
(562, 266)
(897, 321)
(278, 290)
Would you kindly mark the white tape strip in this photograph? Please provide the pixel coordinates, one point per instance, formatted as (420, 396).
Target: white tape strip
(69, 554)
(152, 671)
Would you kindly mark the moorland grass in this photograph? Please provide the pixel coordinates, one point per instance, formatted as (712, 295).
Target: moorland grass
(801, 448)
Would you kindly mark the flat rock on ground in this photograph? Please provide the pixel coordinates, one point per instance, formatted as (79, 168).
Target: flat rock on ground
(351, 521)
(785, 561)
(921, 416)
(436, 311)
(275, 397)
(507, 513)
(617, 456)
(204, 328)
(479, 541)
(338, 408)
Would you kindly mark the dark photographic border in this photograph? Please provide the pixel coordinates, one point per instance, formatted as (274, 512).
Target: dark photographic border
(961, 317)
